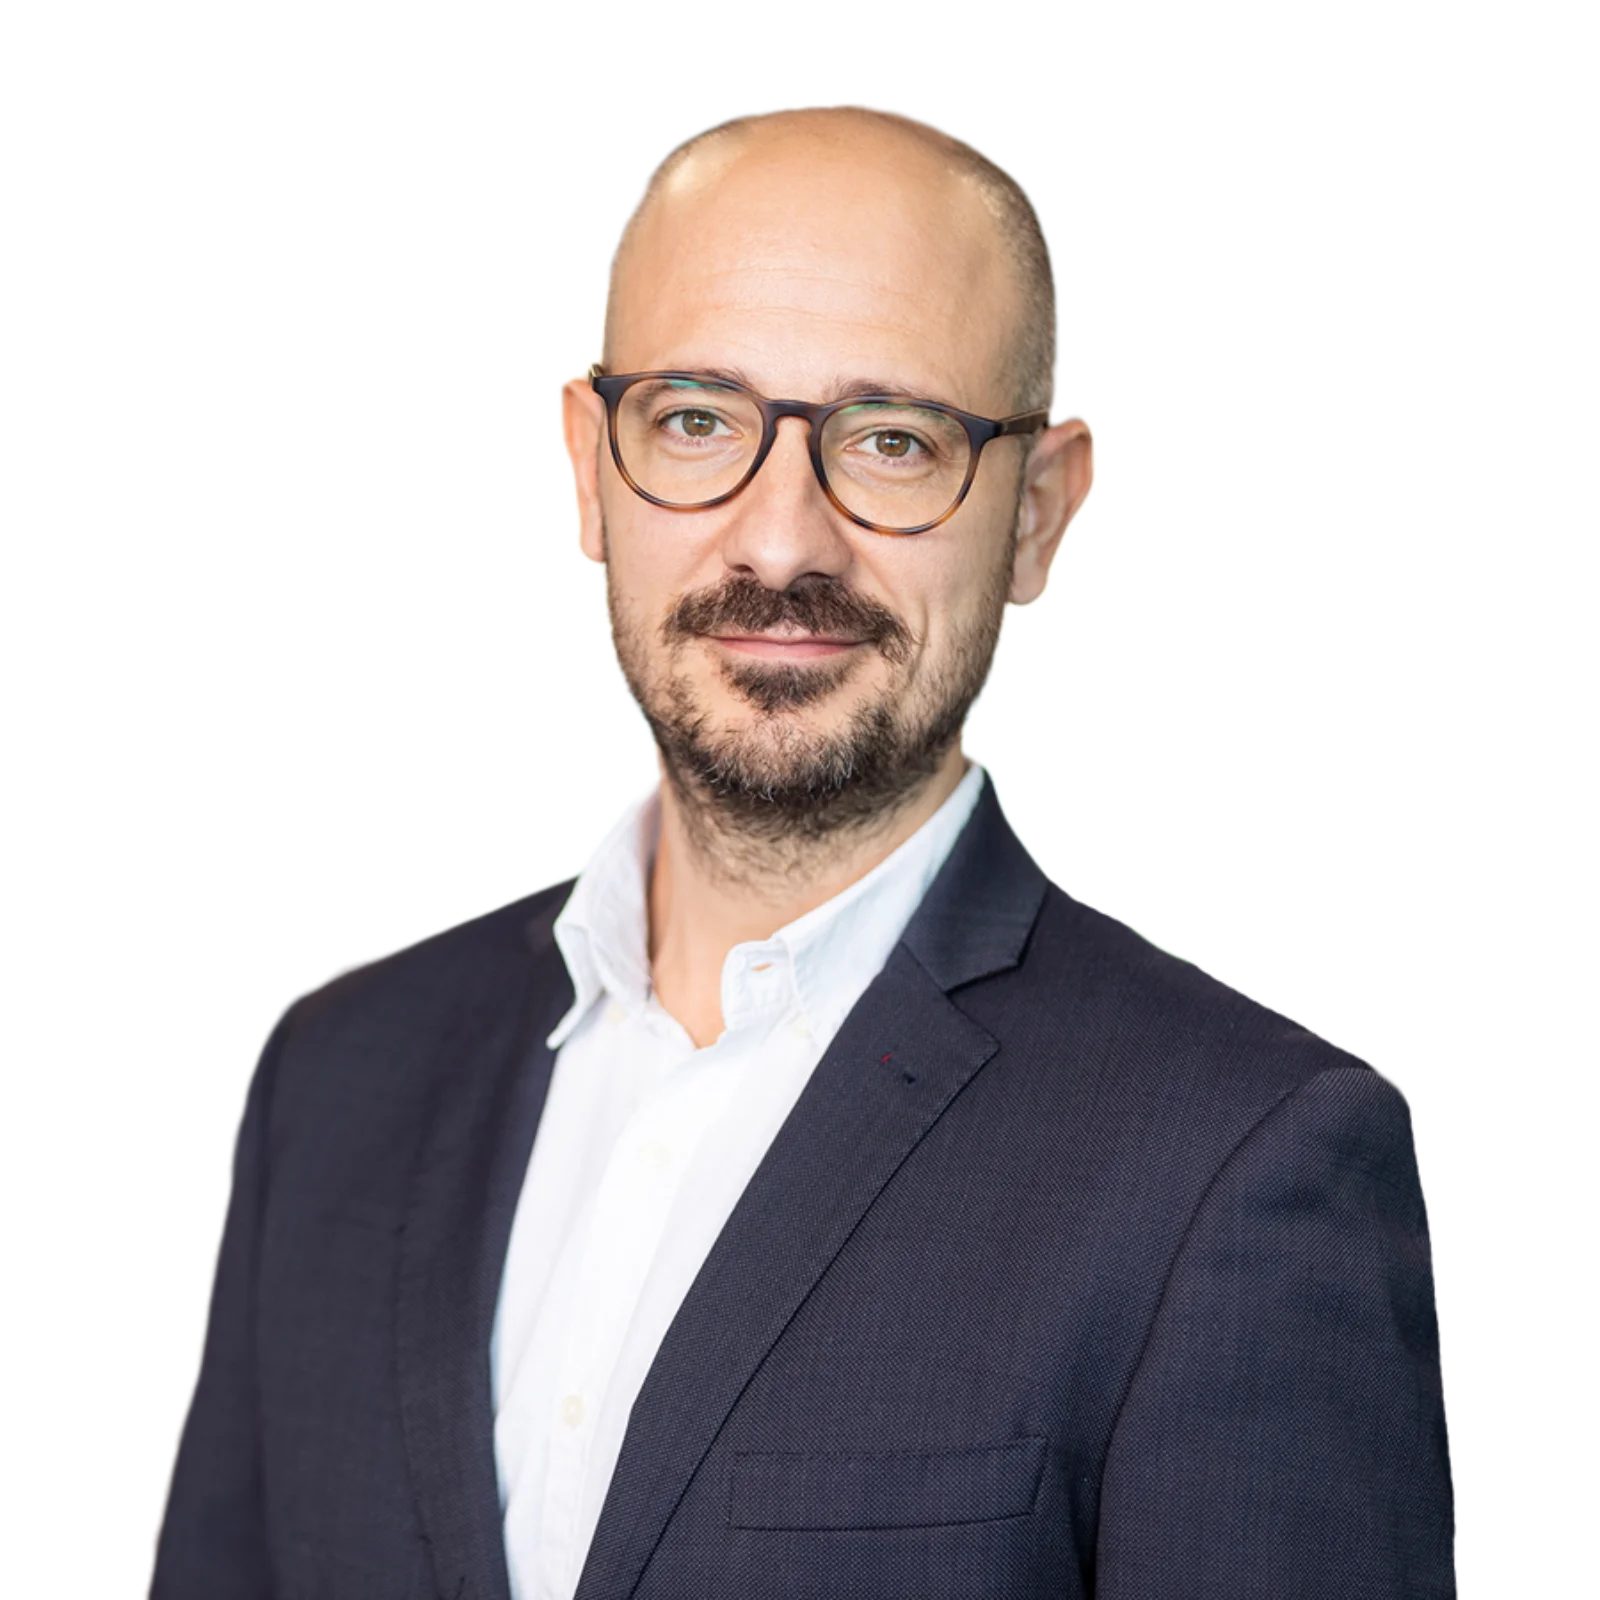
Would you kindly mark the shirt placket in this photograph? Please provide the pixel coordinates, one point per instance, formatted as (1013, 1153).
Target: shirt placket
(635, 1195)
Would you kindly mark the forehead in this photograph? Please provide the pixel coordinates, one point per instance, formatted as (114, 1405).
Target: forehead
(818, 259)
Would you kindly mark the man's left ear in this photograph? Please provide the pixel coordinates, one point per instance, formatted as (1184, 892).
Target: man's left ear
(1057, 477)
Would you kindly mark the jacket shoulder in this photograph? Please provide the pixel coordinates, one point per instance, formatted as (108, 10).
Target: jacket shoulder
(432, 970)
(1151, 1023)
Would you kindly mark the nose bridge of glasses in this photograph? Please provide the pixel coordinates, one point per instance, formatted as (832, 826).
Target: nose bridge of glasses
(781, 411)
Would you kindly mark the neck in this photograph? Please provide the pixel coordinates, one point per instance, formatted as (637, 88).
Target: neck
(712, 888)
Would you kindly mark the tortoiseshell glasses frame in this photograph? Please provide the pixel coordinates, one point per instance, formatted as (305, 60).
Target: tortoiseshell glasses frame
(980, 431)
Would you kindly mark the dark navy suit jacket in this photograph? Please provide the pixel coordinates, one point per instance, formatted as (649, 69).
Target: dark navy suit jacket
(1073, 1273)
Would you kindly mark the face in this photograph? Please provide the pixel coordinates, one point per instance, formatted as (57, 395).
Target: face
(801, 672)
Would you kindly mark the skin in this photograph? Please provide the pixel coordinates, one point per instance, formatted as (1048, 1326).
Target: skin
(813, 251)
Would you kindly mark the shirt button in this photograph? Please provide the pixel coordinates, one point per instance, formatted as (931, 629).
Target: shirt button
(572, 1410)
(615, 1015)
(799, 1029)
(655, 1155)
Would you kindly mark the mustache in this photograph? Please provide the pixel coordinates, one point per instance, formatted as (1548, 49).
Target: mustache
(756, 610)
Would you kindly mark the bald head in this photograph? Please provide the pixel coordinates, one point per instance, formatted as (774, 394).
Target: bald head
(921, 213)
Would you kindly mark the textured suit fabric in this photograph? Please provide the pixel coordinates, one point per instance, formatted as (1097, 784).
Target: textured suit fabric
(1073, 1273)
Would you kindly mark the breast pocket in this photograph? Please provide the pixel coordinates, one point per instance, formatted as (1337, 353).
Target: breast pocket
(797, 1490)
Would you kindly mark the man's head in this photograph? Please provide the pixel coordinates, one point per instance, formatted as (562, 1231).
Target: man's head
(802, 672)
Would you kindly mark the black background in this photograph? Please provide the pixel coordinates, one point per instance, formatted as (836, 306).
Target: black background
(392, 704)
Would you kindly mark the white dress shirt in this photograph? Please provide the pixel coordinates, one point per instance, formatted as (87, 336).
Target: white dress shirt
(643, 1149)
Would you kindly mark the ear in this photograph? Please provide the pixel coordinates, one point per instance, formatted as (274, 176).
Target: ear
(1057, 477)
(583, 420)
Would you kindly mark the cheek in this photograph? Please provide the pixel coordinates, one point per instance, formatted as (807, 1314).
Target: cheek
(652, 556)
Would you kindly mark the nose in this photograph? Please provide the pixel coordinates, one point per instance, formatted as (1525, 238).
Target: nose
(782, 526)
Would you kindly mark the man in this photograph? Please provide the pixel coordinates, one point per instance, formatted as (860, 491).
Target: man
(812, 1200)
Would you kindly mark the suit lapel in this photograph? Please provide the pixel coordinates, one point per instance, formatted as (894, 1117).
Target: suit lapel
(492, 1072)
(902, 1056)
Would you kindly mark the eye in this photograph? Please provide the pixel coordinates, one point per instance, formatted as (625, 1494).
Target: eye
(894, 444)
(692, 423)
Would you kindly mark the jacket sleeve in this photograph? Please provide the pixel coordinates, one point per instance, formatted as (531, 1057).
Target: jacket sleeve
(213, 1544)
(1284, 1431)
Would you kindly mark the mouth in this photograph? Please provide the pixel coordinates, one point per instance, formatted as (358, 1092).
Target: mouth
(786, 646)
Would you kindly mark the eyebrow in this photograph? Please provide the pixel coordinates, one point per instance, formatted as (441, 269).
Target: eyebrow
(842, 389)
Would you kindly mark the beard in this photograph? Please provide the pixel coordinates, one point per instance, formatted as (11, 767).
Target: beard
(771, 779)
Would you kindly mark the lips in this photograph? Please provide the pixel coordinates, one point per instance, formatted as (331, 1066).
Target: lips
(791, 639)
(785, 646)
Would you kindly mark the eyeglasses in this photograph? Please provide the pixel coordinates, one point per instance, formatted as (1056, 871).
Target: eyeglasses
(896, 465)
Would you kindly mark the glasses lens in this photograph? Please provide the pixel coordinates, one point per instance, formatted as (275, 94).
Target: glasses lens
(899, 466)
(690, 441)
(686, 442)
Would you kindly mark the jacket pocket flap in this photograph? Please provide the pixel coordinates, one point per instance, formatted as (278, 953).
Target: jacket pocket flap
(888, 1489)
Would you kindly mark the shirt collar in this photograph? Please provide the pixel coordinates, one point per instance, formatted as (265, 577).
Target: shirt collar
(603, 930)
(833, 952)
